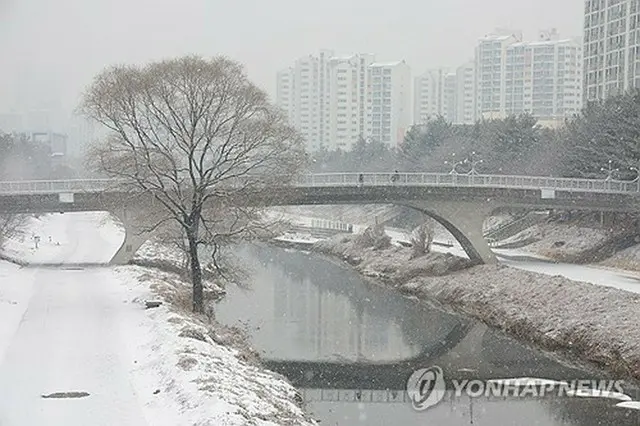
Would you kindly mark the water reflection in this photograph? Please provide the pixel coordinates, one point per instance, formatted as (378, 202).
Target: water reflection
(332, 333)
(324, 313)
(480, 412)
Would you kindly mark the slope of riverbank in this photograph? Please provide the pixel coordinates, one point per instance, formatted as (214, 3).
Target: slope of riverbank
(214, 362)
(627, 259)
(582, 238)
(210, 374)
(597, 324)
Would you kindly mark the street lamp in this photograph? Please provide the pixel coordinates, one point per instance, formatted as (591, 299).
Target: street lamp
(610, 170)
(454, 165)
(473, 163)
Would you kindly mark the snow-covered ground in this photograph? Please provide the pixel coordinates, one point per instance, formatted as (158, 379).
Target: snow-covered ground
(343, 213)
(154, 252)
(495, 222)
(628, 259)
(560, 241)
(294, 237)
(65, 238)
(86, 330)
(14, 297)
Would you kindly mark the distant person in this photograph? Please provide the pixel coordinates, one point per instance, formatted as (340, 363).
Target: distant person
(396, 177)
(361, 179)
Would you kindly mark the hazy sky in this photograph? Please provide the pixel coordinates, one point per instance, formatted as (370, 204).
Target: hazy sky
(50, 49)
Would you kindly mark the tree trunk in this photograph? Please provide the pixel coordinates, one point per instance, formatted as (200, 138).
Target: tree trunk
(196, 275)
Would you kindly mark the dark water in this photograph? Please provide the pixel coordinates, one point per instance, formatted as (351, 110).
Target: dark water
(350, 347)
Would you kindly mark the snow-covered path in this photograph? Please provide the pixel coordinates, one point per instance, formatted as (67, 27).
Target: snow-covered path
(69, 340)
(67, 238)
(63, 332)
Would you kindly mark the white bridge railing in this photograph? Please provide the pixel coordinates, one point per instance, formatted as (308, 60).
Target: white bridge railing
(361, 179)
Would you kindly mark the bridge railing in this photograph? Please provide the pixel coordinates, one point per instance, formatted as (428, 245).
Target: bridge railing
(441, 179)
(354, 179)
(55, 186)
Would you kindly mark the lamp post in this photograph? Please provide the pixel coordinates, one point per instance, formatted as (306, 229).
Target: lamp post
(610, 171)
(454, 166)
(473, 163)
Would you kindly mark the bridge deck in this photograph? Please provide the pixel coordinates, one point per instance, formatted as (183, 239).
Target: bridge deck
(364, 179)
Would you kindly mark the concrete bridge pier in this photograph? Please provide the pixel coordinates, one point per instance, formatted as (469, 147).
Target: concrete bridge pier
(134, 237)
(465, 220)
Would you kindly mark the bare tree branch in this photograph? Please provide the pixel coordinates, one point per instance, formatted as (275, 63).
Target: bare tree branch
(10, 226)
(198, 137)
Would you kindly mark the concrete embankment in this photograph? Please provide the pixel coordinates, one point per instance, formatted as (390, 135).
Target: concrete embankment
(596, 324)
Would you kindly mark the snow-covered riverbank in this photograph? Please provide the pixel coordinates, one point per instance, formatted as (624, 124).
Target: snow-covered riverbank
(205, 370)
(167, 366)
(594, 323)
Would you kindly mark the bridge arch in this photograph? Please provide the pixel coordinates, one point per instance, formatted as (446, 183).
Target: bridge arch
(134, 236)
(464, 221)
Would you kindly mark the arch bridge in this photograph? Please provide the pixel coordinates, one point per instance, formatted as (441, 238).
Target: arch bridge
(459, 202)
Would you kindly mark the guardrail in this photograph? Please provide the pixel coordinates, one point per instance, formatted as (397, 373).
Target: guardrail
(361, 179)
(55, 186)
(495, 181)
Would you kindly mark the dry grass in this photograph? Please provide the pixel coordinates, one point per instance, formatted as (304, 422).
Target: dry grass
(394, 265)
(177, 294)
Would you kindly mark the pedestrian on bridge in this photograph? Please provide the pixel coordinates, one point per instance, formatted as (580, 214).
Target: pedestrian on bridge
(361, 180)
(396, 177)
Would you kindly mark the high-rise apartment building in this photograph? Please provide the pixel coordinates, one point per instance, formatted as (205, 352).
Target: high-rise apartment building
(451, 95)
(490, 66)
(285, 90)
(465, 94)
(330, 99)
(390, 102)
(433, 95)
(611, 47)
(347, 99)
(302, 92)
(543, 78)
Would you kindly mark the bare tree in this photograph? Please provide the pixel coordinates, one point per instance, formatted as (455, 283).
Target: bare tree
(10, 226)
(201, 140)
(421, 240)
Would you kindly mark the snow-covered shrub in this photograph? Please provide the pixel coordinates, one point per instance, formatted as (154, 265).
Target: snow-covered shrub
(421, 239)
(374, 236)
